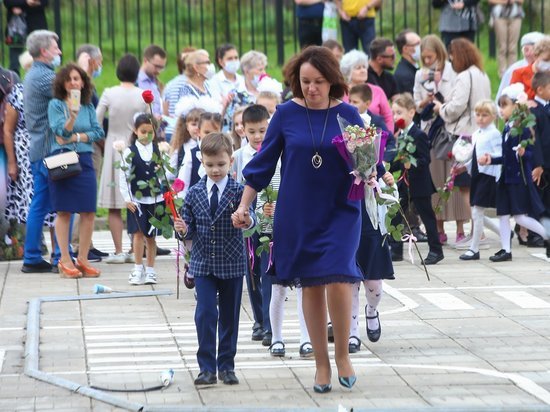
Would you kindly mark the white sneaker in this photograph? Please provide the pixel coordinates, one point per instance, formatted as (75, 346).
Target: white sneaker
(116, 258)
(484, 244)
(150, 278)
(129, 258)
(135, 277)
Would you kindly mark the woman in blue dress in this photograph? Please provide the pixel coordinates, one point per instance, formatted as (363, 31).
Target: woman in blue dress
(316, 228)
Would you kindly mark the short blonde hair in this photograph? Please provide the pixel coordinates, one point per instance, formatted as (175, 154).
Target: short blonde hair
(542, 46)
(269, 95)
(404, 100)
(192, 59)
(486, 106)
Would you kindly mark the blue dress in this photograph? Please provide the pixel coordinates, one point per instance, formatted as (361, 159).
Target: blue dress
(316, 228)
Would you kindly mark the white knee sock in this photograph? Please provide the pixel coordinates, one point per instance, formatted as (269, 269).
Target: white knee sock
(354, 321)
(504, 229)
(491, 224)
(477, 217)
(373, 291)
(276, 311)
(304, 335)
(531, 224)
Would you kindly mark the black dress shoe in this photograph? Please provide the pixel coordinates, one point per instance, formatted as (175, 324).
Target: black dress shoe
(266, 341)
(419, 235)
(373, 334)
(206, 378)
(469, 256)
(396, 257)
(433, 258)
(258, 333)
(501, 256)
(534, 240)
(98, 252)
(228, 377)
(354, 344)
(162, 251)
(42, 267)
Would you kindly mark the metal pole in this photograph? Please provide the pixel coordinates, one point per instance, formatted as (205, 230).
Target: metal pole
(279, 30)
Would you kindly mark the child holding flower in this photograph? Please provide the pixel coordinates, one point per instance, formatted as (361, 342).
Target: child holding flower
(516, 192)
(141, 202)
(415, 182)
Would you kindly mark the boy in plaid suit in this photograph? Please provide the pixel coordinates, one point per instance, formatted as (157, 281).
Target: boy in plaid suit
(218, 259)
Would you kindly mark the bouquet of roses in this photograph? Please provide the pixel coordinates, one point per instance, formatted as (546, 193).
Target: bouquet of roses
(360, 147)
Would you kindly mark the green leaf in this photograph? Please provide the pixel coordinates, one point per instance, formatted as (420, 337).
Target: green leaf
(412, 161)
(159, 210)
(155, 222)
(142, 184)
(396, 236)
(138, 194)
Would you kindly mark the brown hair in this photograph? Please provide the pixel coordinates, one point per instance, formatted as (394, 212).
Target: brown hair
(64, 75)
(434, 43)
(540, 79)
(464, 54)
(363, 91)
(378, 47)
(215, 143)
(214, 118)
(404, 100)
(324, 61)
(333, 44)
(234, 135)
(180, 61)
(181, 134)
(153, 50)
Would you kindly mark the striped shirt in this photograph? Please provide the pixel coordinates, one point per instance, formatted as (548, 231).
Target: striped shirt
(171, 95)
(37, 93)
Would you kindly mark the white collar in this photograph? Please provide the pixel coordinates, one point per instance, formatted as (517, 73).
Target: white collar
(541, 101)
(221, 185)
(249, 150)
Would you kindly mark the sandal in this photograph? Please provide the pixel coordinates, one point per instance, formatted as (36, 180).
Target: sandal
(278, 352)
(87, 271)
(352, 346)
(69, 273)
(306, 350)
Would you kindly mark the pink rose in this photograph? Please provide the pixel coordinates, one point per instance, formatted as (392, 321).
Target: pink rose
(178, 185)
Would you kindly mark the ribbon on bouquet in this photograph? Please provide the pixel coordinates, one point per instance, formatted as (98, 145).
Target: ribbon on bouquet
(357, 189)
(410, 238)
(270, 261)
(169, 199)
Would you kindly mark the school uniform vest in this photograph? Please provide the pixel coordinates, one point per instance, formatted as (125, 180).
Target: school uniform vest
(195, 166)
(142, 170)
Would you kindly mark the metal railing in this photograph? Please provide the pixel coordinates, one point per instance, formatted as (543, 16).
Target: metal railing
(120, 26)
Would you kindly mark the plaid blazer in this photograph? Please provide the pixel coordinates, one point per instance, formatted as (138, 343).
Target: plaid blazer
(218, 247)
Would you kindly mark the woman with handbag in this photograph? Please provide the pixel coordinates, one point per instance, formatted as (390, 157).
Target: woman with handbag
(472, 85)
(74, 128)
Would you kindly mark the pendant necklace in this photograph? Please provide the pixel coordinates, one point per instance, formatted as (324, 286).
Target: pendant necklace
(316, 159)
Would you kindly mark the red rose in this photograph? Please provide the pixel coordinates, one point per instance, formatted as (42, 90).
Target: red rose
(147, 96)
(400, 124)
(450, 155)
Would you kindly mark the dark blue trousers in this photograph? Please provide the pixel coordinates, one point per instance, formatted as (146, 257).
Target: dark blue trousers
(207, 318)
(358, 30)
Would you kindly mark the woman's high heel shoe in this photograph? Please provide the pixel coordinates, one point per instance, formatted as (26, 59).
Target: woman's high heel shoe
(87, 271)
(318, 388)
(348, 381)
(69, 273)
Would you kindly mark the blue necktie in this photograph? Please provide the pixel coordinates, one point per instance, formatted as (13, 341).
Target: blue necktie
(214, 200)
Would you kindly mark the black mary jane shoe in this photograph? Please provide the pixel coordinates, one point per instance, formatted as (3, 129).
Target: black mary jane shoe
(306, 350)
(469, 256)
(373, 334)
(277, 352)
(206, 378)
(501, 256)
(228, 377)
(354, 347)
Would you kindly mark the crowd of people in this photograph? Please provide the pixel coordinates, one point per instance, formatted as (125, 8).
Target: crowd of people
(236, 139)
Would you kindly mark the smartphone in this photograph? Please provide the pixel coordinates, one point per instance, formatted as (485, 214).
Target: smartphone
(74, 100)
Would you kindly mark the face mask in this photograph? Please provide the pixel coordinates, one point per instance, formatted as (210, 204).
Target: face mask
(210, 71)
(232, 66)
(543, 66)
(56, 62)
(256, 80)
(416, 54)
(97, 72)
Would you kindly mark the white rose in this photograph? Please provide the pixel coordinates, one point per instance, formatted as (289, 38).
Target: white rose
(164, 147)
(119, 145)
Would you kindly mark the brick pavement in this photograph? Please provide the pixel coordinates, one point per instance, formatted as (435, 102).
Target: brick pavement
(476, 337)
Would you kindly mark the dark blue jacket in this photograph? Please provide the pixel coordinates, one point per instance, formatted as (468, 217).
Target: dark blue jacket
(511, 172)
(541, 152)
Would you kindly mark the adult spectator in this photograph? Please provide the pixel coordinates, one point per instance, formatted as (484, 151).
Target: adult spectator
(336, 48)
(354, 67)
(310, 22)
(227, 80)
(457, 19)
(37, 92)
(357, 22)
(153, 64)
(382, 59)
(408, 46)
(472, 85)
(172, 90)
(527, 43)
(507, 16)
(319, 177)
(541, 63)
(34, 12)
(198, 70)
(78, 127)
(435, 80)
(121, 103)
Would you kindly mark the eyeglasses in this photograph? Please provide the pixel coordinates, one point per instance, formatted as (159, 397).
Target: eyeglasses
(388, 56)
(159, 67)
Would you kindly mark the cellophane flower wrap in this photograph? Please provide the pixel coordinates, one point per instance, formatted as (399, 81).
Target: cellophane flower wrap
(360, 147)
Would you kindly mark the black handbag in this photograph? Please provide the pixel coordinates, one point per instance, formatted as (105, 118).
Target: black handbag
(63, 165)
